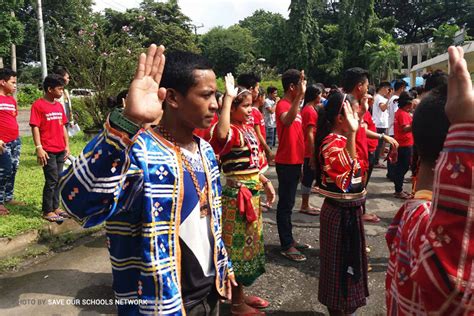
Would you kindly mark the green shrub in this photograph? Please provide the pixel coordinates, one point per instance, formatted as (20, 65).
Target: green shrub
(27, 94)
(82, 113)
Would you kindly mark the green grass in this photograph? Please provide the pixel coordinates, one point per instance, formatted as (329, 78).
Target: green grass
(29, 184)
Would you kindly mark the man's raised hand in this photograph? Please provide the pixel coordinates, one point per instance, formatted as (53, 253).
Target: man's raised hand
(460, 100)
(145, 97)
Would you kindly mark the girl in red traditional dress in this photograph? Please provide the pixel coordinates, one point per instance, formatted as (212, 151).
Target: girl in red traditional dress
(243, 164)
(343, 273)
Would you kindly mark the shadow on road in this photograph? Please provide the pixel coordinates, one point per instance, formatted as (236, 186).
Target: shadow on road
(60, 284)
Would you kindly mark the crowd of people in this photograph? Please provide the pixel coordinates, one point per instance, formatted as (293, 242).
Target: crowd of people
(179, 240)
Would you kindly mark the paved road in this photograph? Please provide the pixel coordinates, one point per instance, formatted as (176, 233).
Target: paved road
(23, 120)
(78, 281)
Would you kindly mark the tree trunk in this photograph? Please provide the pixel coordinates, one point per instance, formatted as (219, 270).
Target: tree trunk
(1, 62)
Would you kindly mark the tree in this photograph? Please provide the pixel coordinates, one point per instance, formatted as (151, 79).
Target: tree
(384, 58)
(303, 37)
(11, 30)
(60, 17)
(417, 20)
(227, 48)
(155, 21)
(267, 28)
(443, 37)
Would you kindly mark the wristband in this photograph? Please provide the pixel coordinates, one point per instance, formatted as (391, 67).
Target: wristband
(117, 120)
(39, 146)
(381, 136)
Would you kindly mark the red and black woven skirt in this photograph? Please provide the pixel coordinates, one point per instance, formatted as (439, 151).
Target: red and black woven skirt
(343, 260)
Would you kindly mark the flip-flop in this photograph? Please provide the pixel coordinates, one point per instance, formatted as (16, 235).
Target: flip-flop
(256, 302)
(62, 213)
(301, 246)
(54, 218)
(373, 218)
(293, 255)
(313, 211)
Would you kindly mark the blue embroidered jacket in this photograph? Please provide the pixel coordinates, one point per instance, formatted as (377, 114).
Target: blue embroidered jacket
(137, 188)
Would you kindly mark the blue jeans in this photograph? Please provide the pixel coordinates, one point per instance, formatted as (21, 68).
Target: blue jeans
(271, 136)
(288, 179)
(401, 167)
(9, 161)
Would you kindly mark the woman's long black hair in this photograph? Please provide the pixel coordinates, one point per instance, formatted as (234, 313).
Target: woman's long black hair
(326, 119)
(312, 92)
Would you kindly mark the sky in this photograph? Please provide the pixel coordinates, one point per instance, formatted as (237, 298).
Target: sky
(206, 14)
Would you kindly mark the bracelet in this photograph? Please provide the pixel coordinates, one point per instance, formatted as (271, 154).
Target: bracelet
(39, 146)
(265, 182)
(382, 135)
(117, 120)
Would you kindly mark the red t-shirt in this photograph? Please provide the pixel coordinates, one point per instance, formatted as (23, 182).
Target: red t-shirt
(256, 118)
(8, 124)
(372, 143)
(205, 133)
(290, 138)
(309, 117)
(50, 119)
(362, 149)
(403, 118)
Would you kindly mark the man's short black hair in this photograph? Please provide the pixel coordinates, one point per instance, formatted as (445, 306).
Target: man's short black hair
(383, 84)
(404, 99)
(271, 89)
(52, 81)
(398, 84)
(179, 70)
(435, 79)
(248, 81)
(6, 74)
(352, 77)
(430, 125)
(60, 70)
(291, 76)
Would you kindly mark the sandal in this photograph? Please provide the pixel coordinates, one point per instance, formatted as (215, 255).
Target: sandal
(293, 255)
(370, 218)
(62, 213)
(3, 210)
(256, 302)
(53, 218)
(402, 195)
(300, 246)
(313, 211)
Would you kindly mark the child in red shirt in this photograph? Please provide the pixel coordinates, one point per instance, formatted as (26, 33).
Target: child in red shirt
(47, 123)
(309, 115)
(404, 136)
(10, 143)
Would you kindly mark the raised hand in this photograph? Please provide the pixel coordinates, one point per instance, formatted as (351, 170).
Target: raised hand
(351, 117)
(460, 101)
(230, 88)
(145, 97)
(301, 88)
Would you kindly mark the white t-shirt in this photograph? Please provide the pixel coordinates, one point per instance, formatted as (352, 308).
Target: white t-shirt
(268, 116)
(392, 108)
(380, 117)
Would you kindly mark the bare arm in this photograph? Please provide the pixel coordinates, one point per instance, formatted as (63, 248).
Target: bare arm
(388, 139)
(223, 125)
(287, 118)
(383, 106)
(40, 152)
(262, 140)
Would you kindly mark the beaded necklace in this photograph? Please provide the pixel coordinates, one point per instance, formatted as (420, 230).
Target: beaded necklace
(203, 199)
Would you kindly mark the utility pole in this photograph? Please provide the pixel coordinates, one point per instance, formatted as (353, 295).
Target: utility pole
(13, 51)
(44, 67)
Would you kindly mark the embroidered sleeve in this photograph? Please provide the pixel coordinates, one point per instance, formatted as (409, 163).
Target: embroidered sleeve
(102, 181)
(338, 164)
(446, 274)
(234, 138)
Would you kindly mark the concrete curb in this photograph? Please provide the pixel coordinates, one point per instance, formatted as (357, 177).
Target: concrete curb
(16, 245)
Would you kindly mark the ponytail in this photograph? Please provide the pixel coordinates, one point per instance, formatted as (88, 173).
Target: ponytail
(326, 119)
